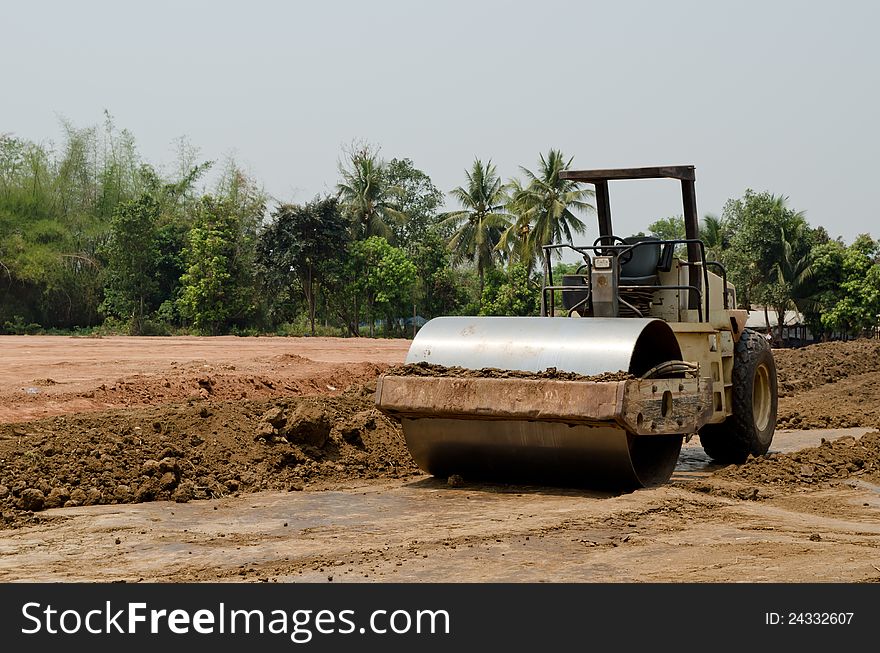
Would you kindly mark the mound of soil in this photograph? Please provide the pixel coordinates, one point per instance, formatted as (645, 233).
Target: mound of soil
(429, 369)
(844, 458)
(829, 385)
(195, 450)
(853, 401)
(799, 370)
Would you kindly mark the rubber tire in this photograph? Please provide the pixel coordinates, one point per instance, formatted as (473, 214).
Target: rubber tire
(737, 437)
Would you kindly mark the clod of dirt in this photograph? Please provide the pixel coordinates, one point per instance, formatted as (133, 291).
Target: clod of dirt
(94, 496)
(169, 464)
(275, 417)
(265, 431)
(748, 494)
(77, 498)
(151, 467)
(293, 358)
(309, 424)
(58, 496)
(184, 493)
(44, 382)
(732, 489)
(551, 373)
(31, 499)
(352, 431)
(122, 494)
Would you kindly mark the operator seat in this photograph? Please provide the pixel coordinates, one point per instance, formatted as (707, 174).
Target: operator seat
(641, 269)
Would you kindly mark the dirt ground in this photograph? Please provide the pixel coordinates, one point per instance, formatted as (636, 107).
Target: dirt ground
(263, 458)
(829, 385)
(42, 376)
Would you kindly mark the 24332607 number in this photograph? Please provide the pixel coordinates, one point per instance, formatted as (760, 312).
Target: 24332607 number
(820, 618)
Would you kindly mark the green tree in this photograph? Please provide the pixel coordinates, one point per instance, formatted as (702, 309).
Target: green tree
(55, 211)
(440, 288)
(757, 223)
(511, 293)
(713, 233)
(478, 226)
(385, 276)
(132, 264)
(857, 304)
(789, 284)
(365, 194)
(218, 285)
(203, 297)
(827, 264)
(143, 255)
(671, 228)
(546, 208)
(415, 198)
(295, 249)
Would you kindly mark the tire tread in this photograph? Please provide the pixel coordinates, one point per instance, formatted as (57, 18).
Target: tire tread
(733, 440)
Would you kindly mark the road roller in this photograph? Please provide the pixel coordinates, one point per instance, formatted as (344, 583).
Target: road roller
(639, 348)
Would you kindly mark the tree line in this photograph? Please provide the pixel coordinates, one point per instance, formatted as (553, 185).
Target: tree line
(92, 237)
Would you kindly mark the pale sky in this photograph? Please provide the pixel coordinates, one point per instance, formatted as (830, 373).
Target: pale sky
(778, 96)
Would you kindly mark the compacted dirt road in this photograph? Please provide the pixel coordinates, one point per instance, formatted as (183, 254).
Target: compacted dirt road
(179, 459)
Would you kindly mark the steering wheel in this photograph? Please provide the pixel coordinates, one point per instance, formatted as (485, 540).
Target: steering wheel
(624, 257)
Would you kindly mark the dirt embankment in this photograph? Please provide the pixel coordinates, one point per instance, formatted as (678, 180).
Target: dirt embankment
(803, 369)
(195, 450)
(829, 385)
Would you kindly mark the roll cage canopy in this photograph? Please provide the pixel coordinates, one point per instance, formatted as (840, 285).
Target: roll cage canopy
(685, 174)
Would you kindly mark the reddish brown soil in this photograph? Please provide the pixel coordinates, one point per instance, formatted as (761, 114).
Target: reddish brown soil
(195, 450)
(802, 369)
(829, 385)
(841, 459)
(42, 376)
(807, 515)
(129, 420)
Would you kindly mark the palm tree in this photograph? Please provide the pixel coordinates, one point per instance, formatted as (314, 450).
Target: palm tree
(792, 272)
(546, 206)
(516, 241)
(712, 233)
(481, 221)
(366, 196)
